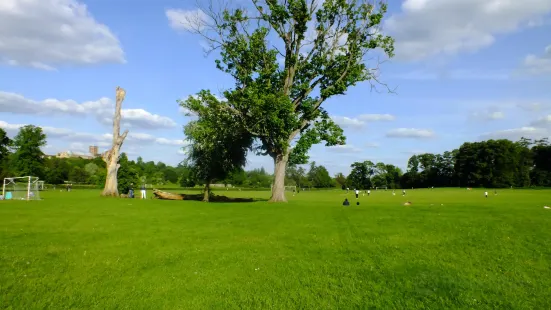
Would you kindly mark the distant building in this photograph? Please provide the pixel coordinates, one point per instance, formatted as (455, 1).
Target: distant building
(93, 149)
(68, 154)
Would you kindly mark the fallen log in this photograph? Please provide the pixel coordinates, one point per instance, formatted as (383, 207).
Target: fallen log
(167, 196)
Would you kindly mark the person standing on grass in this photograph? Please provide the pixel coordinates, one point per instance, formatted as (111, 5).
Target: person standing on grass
(486, 194)
(357, 191)
(403, 192)
(131, 191)
(142, 189)
(368, 192)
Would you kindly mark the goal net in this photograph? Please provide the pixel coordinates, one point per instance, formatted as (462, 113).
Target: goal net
(21, 188)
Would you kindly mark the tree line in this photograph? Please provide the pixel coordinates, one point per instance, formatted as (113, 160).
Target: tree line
(492, 164)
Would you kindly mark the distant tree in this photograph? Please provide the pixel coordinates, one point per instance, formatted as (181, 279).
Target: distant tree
(187, 177)
(280, 103)
(28, 158)
(319, 176)
(127, 174)
(5, 145)
(218, 143)
(91, 168)
(238, 177)
(259, 178)
(170, 175)
(78, 175)
(340, 179)
(296, 174)
(360, 176)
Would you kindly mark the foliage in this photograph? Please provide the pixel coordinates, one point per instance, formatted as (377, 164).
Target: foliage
(492, 163)
(319, 176)
(324, 49)
(218, 143)
(360, 176)
(5, 145)
(28, 159)
(341, 180)
(127, 175)
(187, 178)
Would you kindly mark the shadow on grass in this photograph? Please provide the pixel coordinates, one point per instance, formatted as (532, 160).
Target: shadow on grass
(199, 197)
(217, 198)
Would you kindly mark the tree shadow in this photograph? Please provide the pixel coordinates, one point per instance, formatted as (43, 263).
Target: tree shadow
(199, 197)
(219, 198)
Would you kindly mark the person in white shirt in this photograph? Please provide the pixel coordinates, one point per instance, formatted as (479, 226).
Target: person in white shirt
(368, 192)
(357, 193)
(142, 190)
(486, 194)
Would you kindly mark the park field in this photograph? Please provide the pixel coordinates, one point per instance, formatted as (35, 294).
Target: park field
(451, 248)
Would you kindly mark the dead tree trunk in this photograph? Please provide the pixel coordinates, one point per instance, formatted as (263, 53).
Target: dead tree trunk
(111, 157)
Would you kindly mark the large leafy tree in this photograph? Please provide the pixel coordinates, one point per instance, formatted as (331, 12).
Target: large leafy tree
(360, 175)
(28, 158)
(324, 48)
(218, 142)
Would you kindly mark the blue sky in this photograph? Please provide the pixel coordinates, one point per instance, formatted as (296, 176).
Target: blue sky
(464, 70)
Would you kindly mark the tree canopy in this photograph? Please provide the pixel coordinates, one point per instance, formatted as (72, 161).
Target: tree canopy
(325, 48)
(28, 158)
(218, 143)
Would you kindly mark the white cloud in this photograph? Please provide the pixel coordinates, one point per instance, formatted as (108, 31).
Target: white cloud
(102, 109)
(534, 106)
(414, 152)
(360, 121)
(143, 119)
(47, 33)
(376, 117)
(171, 142)
(372, 145)
(186, 19)
(544, 122)
(344, 149)
(457, 74)
(490, 114)
(516, 133)
(348, 122)
(426, 28)
(412, 133)
(102, 140)
(537, 65)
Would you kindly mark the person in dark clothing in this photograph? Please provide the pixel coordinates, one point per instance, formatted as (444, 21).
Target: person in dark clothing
(131, 191)
(346, 202)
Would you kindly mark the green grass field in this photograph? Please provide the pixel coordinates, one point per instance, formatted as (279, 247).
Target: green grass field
(77, 250)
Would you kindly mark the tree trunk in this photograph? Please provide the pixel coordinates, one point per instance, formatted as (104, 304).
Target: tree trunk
(278, 187)
(207, 192)
(111, 157)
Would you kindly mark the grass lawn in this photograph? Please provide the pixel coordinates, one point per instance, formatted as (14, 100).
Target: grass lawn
(77, 250)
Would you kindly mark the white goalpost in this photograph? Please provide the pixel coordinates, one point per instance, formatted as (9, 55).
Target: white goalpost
(21, 188)
(288, 188)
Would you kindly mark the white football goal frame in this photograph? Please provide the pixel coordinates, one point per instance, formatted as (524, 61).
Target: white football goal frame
(21, 188)
(288, 188)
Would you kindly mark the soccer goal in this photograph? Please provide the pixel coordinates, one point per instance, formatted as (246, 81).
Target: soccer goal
(21, 188)
(287, 188)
